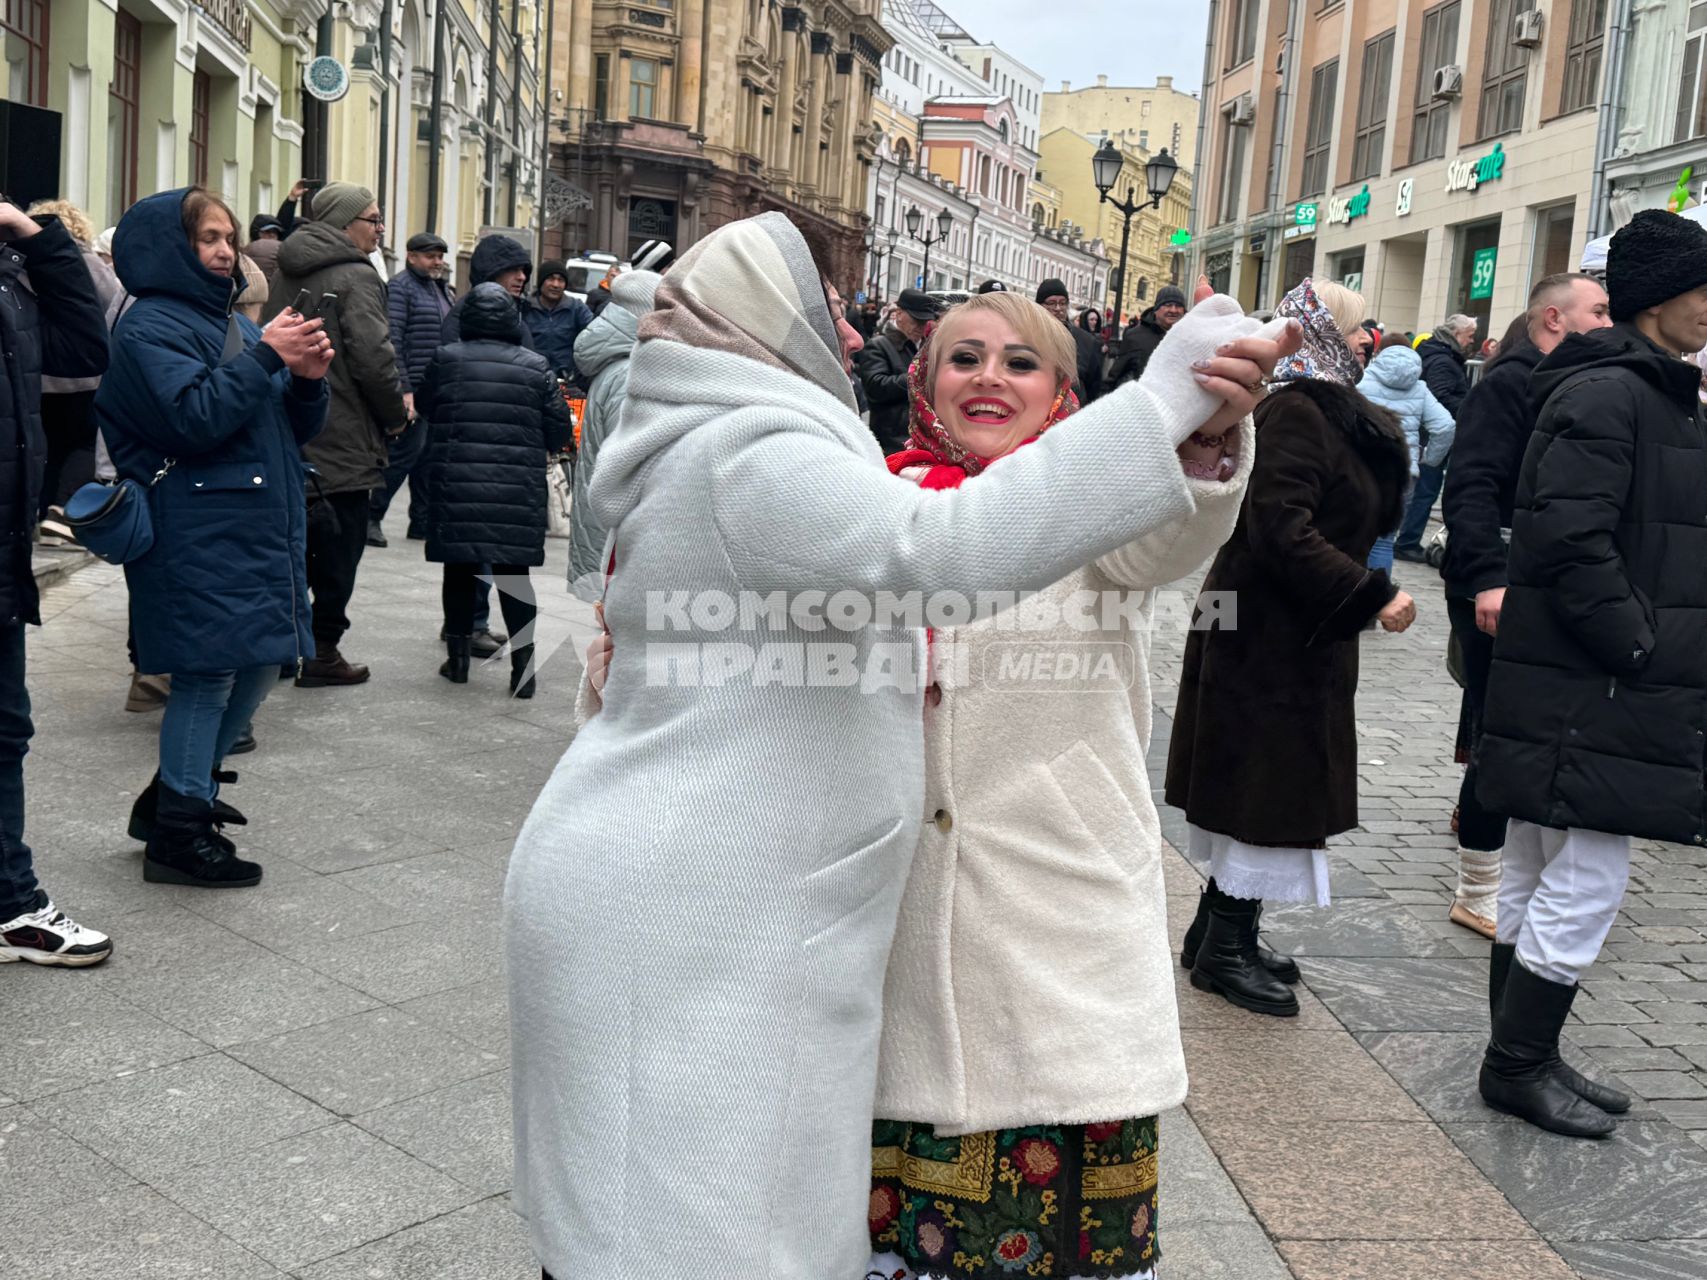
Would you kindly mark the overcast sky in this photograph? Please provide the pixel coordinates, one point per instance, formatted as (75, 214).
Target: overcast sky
(1129, 41)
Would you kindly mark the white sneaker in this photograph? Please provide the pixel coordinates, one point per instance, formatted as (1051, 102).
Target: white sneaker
(49, 936)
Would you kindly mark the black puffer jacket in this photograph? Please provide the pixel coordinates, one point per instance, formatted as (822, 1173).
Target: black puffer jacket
(1444, 371)
(1597, 700)
(491, 257)
(1136, 347)
(496, 413)
(882, 370)
(51, 323)
(1089, 349)
(1494, 425)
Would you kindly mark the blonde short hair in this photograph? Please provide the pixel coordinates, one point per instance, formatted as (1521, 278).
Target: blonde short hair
(1035, 326)
(1347, 308)
(76, 222)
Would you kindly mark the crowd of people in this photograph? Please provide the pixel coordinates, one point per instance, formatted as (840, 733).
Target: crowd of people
(936, 902)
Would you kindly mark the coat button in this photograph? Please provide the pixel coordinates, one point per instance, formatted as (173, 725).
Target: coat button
(933, 695)
(256, 480)
(944, 820)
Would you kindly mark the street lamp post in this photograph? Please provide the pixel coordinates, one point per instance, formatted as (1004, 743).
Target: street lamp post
(879, 251)
(944, 224)
(1106, 165)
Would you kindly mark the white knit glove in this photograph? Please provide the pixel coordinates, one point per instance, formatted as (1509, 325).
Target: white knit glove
(1169, 378)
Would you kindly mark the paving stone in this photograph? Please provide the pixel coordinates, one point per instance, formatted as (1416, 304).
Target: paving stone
(1363, 1183)
(485, 1241)
(41, 1165)
(1687, 1113)
(478, 1013)
(1219, 1251)
(1665, 1084)
(182, 1115)
(361, 1063)
(1304, 1075)
(1403, 994)
(129, 1234)
(414, 959)
(62, 1033)
(462, 1130)
(1646, 1182)
(1638, 1260)
(1358, 927)
(306, 1198)
(1397, 1260)
(1199, 1010)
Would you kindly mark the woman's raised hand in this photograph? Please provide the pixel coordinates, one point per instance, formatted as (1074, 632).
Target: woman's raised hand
(300, 343)
(1209, 372)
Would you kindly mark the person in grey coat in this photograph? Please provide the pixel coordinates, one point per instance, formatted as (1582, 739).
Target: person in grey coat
(601, 355)
(699, 908)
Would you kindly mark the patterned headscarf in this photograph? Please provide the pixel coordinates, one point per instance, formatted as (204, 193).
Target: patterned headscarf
(930, 440)
(1324, 354)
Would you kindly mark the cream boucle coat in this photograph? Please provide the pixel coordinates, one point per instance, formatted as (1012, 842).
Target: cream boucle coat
(1030, 980)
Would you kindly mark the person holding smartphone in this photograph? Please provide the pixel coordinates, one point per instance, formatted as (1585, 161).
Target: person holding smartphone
(328, 258)
(210, 413)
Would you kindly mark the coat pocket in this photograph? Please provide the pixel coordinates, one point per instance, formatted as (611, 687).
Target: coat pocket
(228, 477)
(1093, 796)
(846, 884)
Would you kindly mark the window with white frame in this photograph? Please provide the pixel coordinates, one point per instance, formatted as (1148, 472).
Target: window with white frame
(1692, 86)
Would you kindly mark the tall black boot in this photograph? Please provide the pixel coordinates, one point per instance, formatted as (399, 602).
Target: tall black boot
(142, 812)
(455, 667)
(184, 848)
(521, 678)
(1283, 967)
(1227, 962)
(1519, 1070)
(1603, 1096)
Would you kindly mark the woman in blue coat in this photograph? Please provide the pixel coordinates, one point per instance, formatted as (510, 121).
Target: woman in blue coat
(210, 411)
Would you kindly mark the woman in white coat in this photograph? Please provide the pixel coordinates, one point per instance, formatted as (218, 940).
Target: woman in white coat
(700, 906)
(1030, 1035)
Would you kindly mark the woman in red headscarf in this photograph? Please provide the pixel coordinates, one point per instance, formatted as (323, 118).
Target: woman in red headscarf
(1030, 1034)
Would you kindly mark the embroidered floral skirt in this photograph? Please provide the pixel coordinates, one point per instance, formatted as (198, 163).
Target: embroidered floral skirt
(1051, 1200)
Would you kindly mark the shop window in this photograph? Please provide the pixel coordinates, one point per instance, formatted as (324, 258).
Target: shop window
(23, 39)
(1477, 238)
(1242, 46)
(1505, 73)
(124, 114)
(1219, 268)
(1553, 231)
(1439, 48)
(1233, 142)
(1319, 136)
(1348, 270)
(201, 100)
(1583, 46)
(1692, 87)
(1367, 152)
(642, 87)
(1300, 264)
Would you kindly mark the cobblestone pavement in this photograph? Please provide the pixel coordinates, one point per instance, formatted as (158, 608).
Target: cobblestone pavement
(309, 1079)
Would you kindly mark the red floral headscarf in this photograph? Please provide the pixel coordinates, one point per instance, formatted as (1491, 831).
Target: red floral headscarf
(931, 445)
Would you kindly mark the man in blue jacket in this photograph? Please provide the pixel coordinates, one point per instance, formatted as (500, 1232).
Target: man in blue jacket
(50, 322)
(418, 303)
(556, 320)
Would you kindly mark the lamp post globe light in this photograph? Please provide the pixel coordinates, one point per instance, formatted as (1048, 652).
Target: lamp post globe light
(915, 222)
(1106, 166)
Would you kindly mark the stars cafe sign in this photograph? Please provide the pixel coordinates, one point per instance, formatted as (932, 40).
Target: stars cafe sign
(1467, 175)
(1344, 212)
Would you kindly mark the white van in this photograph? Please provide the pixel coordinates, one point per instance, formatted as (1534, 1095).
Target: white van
(586, 272)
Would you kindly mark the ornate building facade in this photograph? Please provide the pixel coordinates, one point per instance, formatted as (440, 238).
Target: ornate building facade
(672, 118)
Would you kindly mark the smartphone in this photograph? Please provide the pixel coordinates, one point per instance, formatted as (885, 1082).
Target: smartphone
(328, 303)
(299, 304)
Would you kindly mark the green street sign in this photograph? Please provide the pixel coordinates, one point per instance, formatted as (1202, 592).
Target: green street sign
(1180, 238)
(1482, 274)
(1305, 216)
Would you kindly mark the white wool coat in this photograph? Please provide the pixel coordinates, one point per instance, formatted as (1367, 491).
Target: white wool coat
(700, 905)
(1031, 979)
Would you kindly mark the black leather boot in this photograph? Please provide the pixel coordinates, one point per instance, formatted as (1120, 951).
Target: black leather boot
(142, 812)
(1283, 967)
(1227, 962)
(455, 667)
(521, 679)
(185, 849)
(1603, 1096)
(1519, 1071)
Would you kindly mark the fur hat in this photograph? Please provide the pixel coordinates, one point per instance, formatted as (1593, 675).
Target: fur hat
(1654, 259)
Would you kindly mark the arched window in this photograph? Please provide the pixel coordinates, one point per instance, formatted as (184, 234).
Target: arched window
(1037, 213)
(1002, 129)
(903, 153)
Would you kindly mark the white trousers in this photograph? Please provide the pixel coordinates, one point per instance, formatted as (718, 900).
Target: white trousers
(1560, 895)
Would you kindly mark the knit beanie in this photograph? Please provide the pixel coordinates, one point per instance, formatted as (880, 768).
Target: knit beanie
(338, 204)
(634, 291)
(551, 267)
(1052, 289)
(1170, 295)
(1657, 257)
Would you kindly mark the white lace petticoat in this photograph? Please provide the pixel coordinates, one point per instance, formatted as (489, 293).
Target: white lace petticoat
(1272, 874)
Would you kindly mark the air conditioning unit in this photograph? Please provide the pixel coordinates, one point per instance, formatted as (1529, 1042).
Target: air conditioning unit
(1244, 109)
(1526, 29)
(1448, 81)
